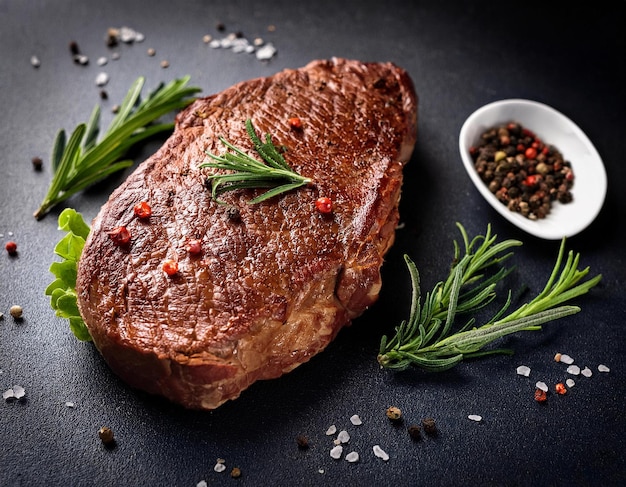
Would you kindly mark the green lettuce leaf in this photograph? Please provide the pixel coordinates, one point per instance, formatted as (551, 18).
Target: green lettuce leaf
(62, 290)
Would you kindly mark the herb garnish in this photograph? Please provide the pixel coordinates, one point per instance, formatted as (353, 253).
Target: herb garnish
(62, 290)
(248, 172)
(82, 161)
(427, 339)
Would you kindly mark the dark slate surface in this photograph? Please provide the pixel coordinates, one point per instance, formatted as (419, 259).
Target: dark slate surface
(461, 55)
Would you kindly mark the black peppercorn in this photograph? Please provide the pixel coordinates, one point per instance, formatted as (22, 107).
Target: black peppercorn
(430, 428)
(302, 442)
(415, 432)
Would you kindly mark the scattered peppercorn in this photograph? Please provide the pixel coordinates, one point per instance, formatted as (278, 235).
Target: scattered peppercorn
(233, 213)
(11, 247)
(37, 163)
(104, 95)
(194, 247)
(106, 435)
(324, 204)
(120, 236)
(415, 432)
(16, 311)
(235, 473)
(295, 123)
(74, 49)
(540, 396)
(302, 441)
(430, 428)
(394, 413)
(142, 210)
(170, 267)
(560, 388)
(522, 171)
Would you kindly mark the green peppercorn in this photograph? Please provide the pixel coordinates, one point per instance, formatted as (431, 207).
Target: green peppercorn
(394, 413)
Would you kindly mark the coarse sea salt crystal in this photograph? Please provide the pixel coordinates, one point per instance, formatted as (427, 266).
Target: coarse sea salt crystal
(102, 61)
(603, 368)
(380, 453)
(336, 452)
(69, 404)
(573, 369)
(266, 52)
(542, 385)
(219, 467)
(570, 382)
(475, 417)
(586, 372)
(352, 457)
(356, 420)
(523, 370)
(19, 392)
(102, 79)
(202, 483)
(35, 62)
(332, 429)
(566, 359)
(8, 394)
(343, 436)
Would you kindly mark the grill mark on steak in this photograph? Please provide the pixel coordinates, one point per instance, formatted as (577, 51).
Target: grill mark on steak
(276, 281)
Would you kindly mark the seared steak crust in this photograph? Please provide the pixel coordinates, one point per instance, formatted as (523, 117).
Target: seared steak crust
(275, 281)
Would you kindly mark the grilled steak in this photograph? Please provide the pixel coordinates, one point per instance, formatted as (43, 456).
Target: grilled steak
(274, 281)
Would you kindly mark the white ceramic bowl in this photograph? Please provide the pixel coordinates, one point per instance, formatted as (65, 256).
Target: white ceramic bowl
(554, 128)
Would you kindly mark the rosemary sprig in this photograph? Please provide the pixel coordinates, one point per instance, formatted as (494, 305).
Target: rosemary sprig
(82, 161)
(247, 172)
(428, 340)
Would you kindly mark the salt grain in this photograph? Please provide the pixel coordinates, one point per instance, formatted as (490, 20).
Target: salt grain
(475, 417)
(356, 420)
(102, 61)
(102, 79)
(219, 467)
(35, 62)
(18, 392)
(566, 359)
(542, 385)
(332, 429)
(603, 368)
(202, 483)
(523, 370)
(586, 372)
(8, 394)
(352, 457)
(380, 453)
(573, 369)
(343, 436)
(336, 452)
(69, 404)
(570, 383)
(266, 52)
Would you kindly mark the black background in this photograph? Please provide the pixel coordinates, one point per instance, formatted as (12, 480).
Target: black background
(461, 55)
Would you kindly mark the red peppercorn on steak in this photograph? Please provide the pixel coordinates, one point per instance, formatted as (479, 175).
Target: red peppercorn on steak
(259, 288)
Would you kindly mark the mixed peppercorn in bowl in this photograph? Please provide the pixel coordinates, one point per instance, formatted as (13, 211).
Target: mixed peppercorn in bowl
(534, 166)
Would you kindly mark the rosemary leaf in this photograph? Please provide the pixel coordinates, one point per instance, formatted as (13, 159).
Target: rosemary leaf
(245, 172)
(83, 161)
(467, 289)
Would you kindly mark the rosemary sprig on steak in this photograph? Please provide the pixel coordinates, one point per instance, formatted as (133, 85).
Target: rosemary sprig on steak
(82, 161)
(428, 339)
(246, 172)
